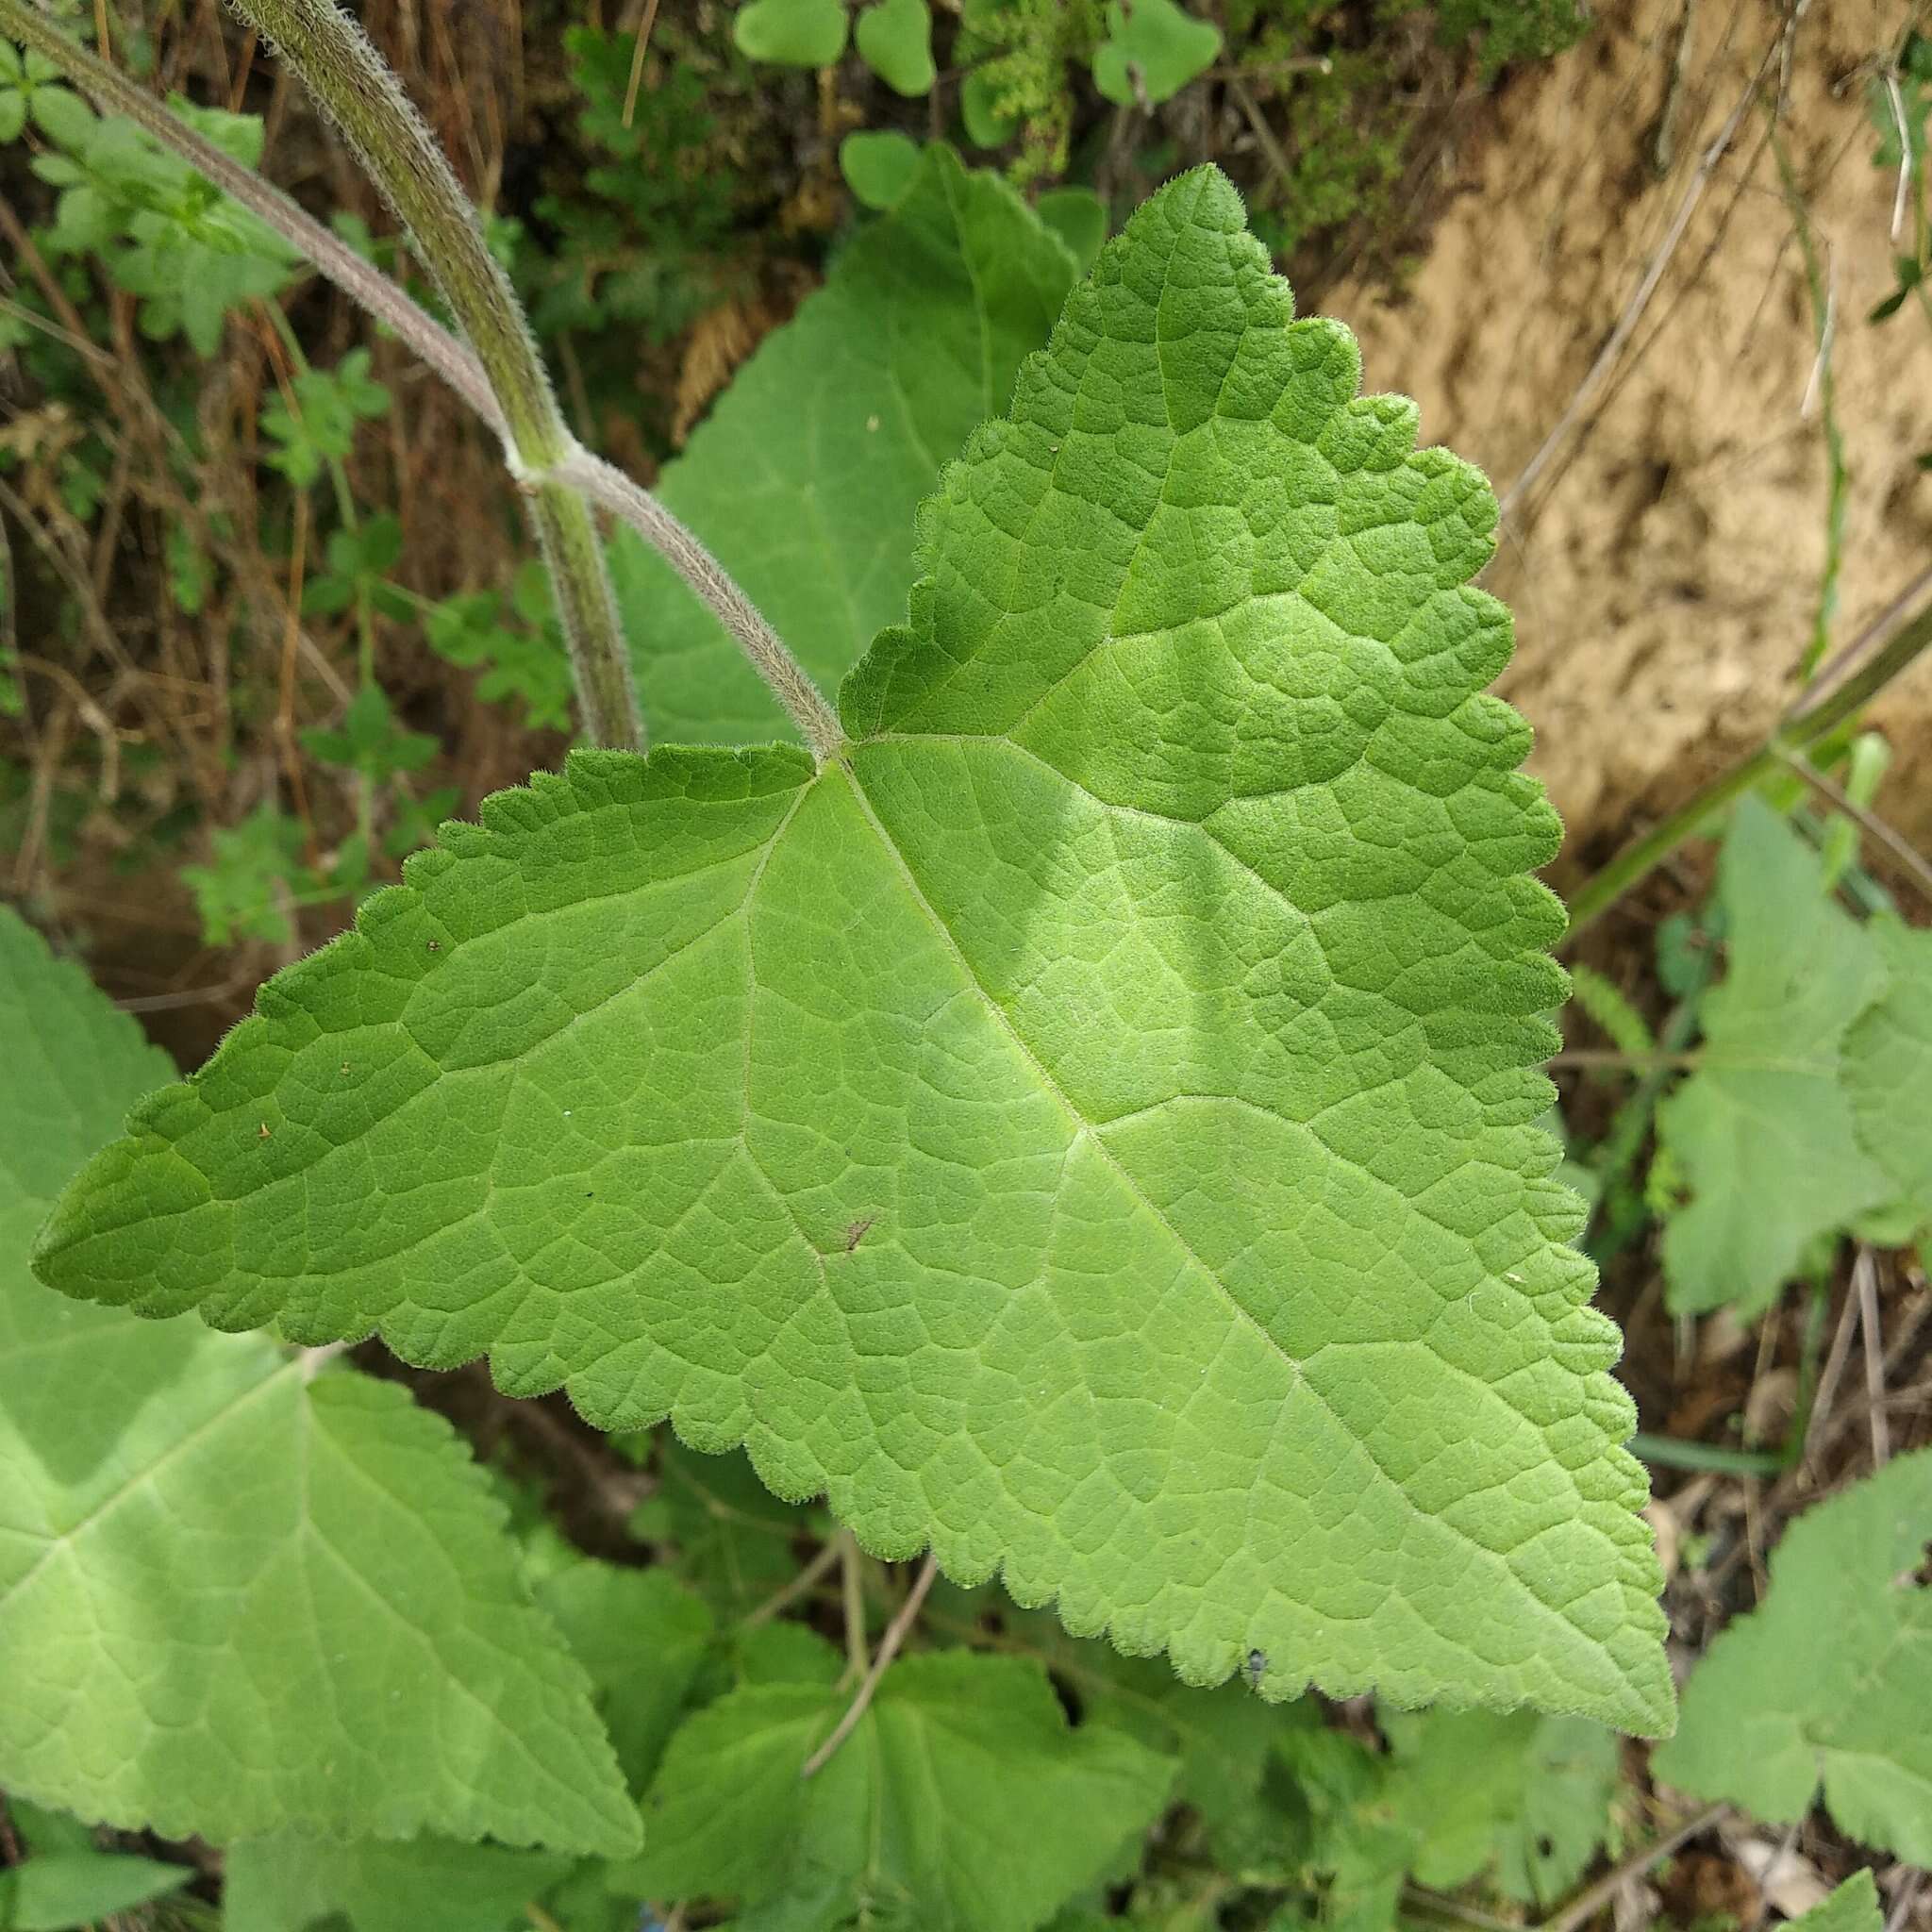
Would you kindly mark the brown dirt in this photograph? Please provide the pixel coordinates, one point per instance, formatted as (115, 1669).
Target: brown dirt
(1666, 567)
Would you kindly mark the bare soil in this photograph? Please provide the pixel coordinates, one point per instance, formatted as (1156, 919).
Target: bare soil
(1665, 564)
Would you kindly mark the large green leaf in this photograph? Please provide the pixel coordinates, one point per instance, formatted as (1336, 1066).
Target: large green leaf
(804, 477)
(234, 1597)
(1830, 1682)
(962, 1803)
(1090, 1127)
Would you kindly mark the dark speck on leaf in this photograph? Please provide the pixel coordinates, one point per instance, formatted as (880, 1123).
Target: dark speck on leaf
(857, 1231)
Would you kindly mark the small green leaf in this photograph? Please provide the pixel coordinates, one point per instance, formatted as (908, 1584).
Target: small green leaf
(879, 167)
(1852, 1907)
(1153, 49)
(790, 33)
(1524, 1798)
(1223, 1739)
(371, 741)
(956, 1755)
(254, 869)
(1829, 1683)
(643, 1638)
(64, 1889)
(423, 1885)
(530, 665)
(894, 40)
(1762, 1131)
(63, 116)
(1078, 216)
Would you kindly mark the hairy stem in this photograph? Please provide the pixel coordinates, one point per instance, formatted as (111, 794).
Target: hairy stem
(610, 490)
(335, 61)
(1888, 646)
(599, 658)
(341, 68)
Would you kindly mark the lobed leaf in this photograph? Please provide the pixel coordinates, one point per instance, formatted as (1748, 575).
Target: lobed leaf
(1828, 1685)
(251, 1599)
(1089, 1127)
(1521, 1797)
(1806, 1112)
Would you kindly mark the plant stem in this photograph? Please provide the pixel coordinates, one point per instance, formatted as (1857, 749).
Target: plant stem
(339, 65)
(1669, 1452)
(1887, 647)
(341, 68)
(897, 1633)
(1873, 827)
(599, 658)
(610, 490)
(1588, 1903)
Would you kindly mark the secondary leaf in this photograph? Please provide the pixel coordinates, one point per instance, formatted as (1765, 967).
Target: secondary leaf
(1153, 49)
(1523, 1797)
(804, 480)
(1078, 217)
(54, 1891)
(1088, 1126)
(1830, 1682)
(1888, 1067)
(959, 1756)
(250, 1598)
(1223, 1740)
(643, 1640)
(791, 33)
(732, 1537)
(879, 167)
(1807, 1113)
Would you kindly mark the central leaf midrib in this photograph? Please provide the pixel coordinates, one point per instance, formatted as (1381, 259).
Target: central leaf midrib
(847, 774)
